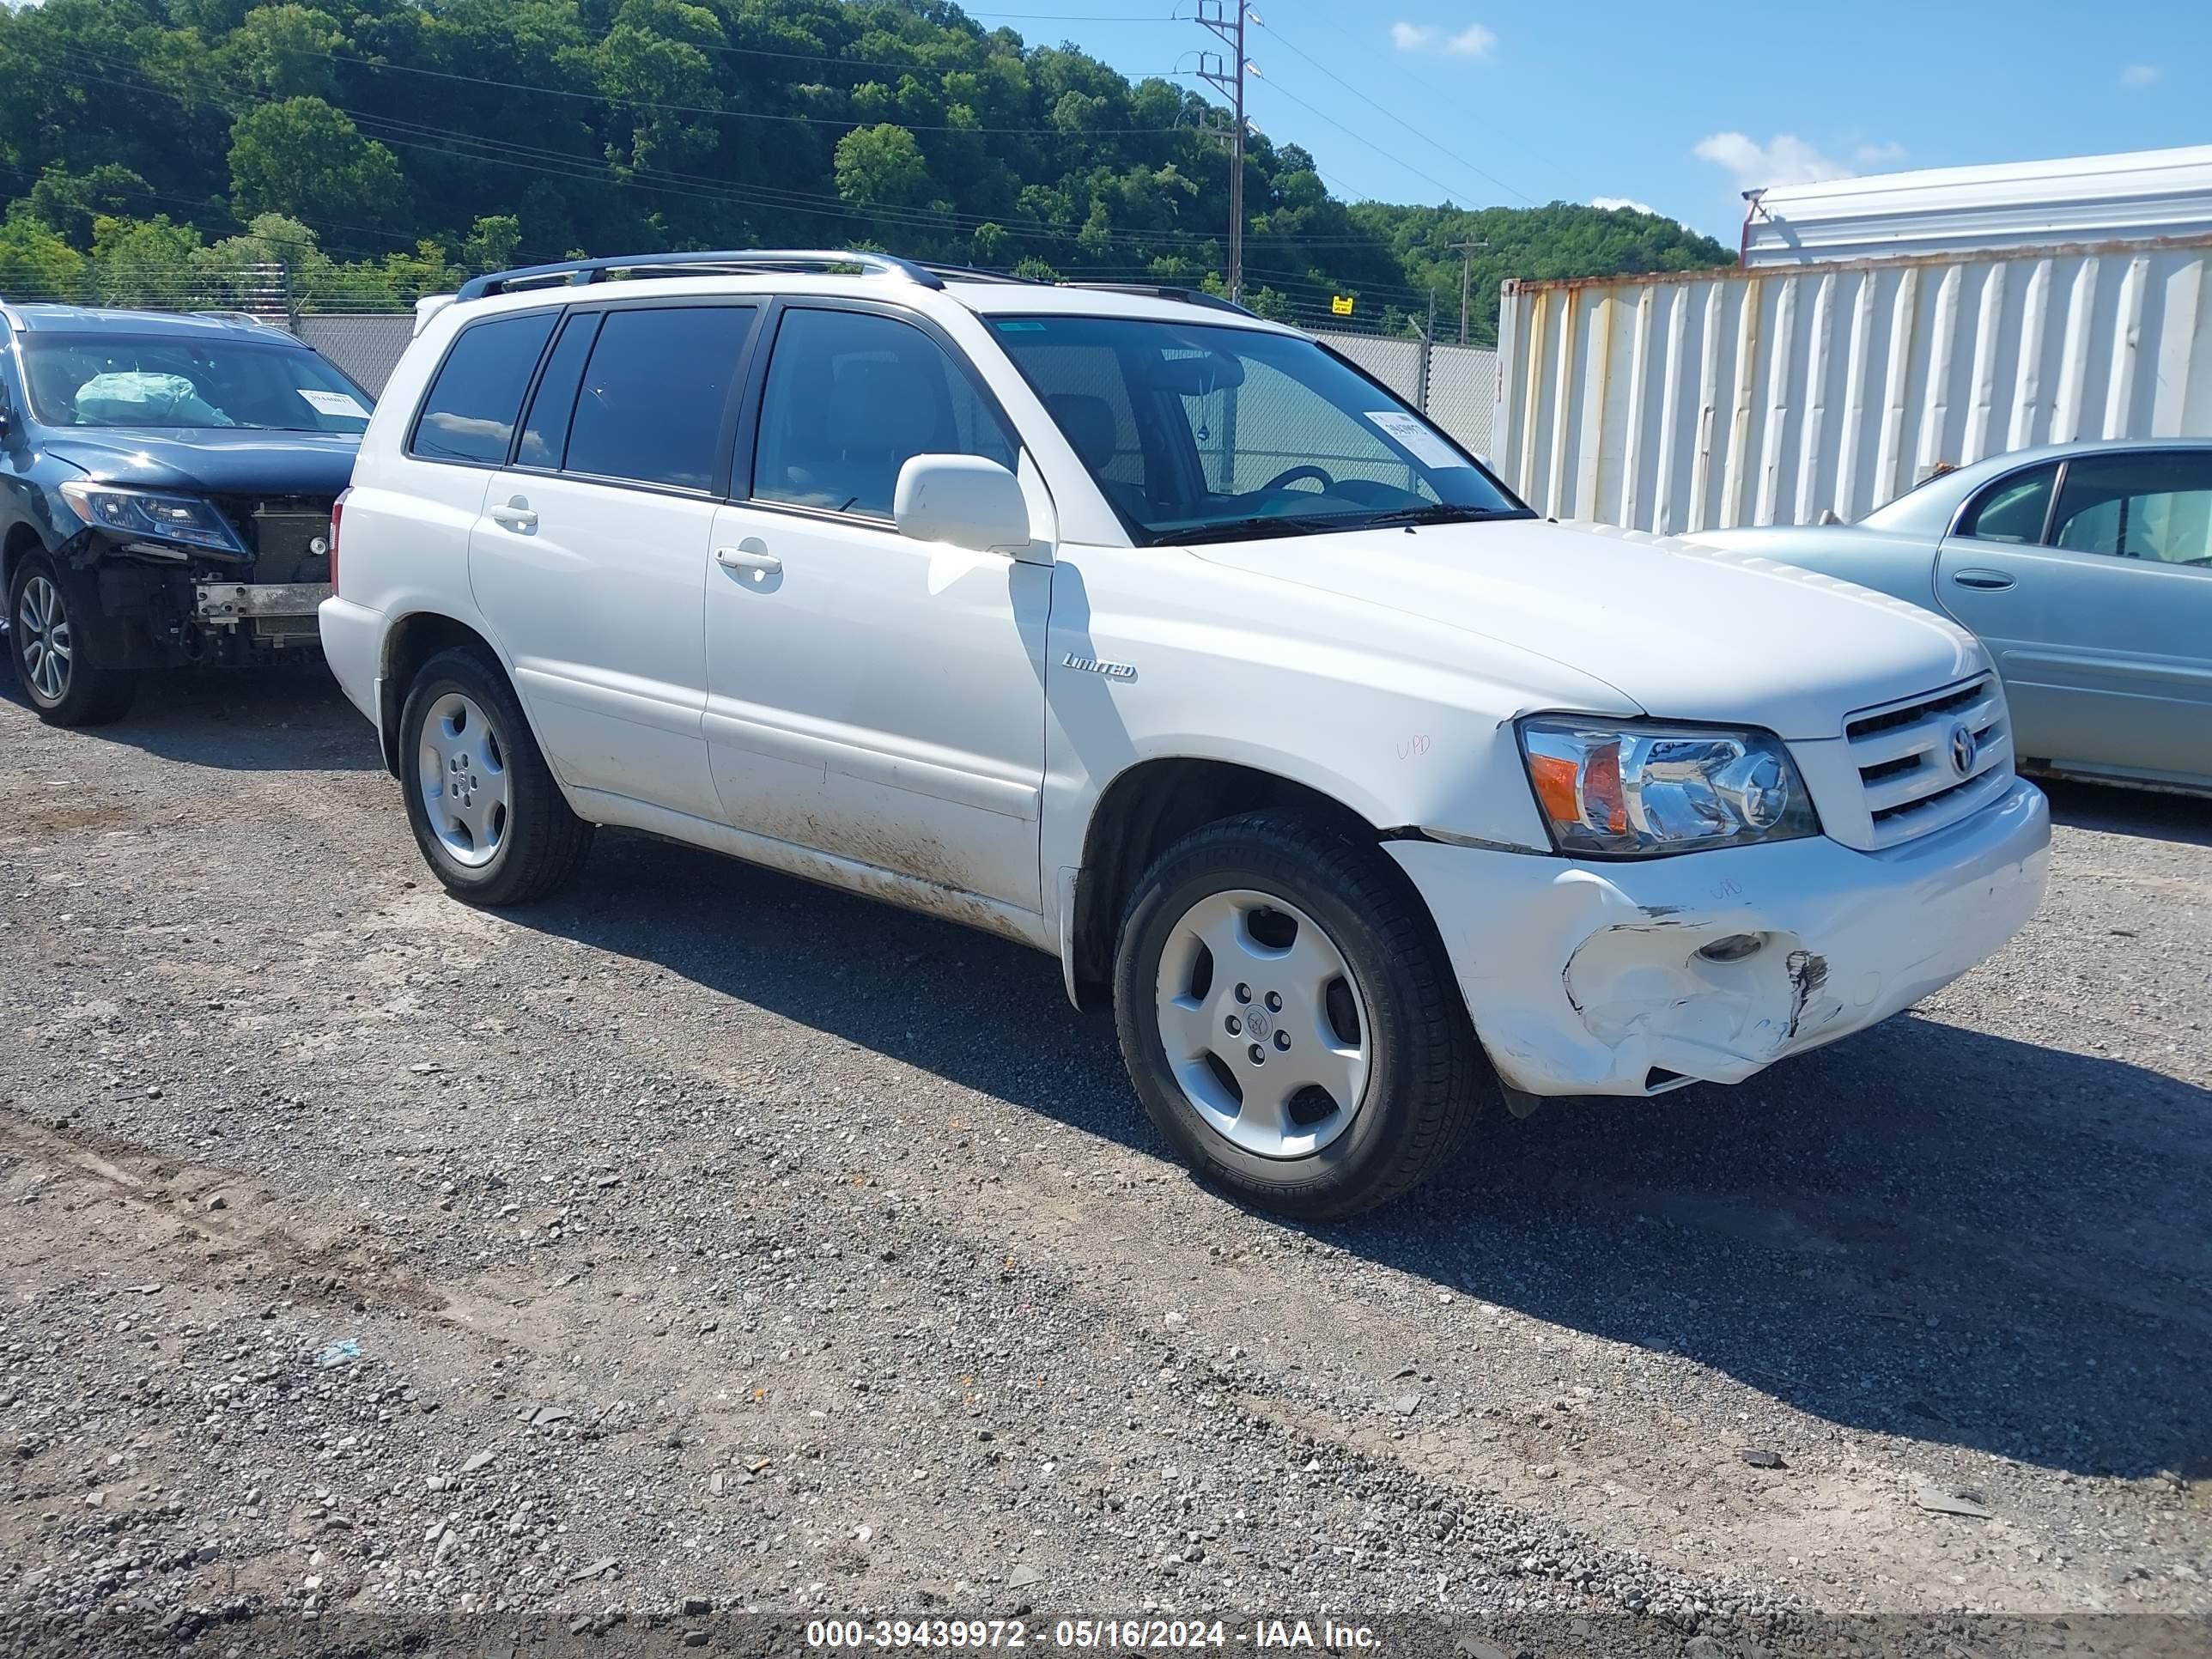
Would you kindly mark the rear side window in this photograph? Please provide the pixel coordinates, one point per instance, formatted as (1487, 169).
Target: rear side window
(545, 434)
(654, 393)
(2154, 506)
(476, 398)
(2012, 509)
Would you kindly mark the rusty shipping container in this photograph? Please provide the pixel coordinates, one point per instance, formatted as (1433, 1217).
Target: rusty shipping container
(1744, 397)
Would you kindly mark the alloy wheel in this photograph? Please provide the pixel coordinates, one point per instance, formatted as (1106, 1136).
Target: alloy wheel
(463, 778)
(48, 650)
(1264, 1027)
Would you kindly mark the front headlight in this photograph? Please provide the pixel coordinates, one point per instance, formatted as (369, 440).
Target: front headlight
(1633, 789)
(149, 513)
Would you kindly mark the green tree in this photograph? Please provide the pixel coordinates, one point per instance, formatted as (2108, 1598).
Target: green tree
(493, 243)
(882, 165)
(285, 51)
(69, 202)
(303, 158)
(35, 263)
(144, 262)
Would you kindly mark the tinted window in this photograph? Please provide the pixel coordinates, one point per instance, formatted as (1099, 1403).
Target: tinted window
(851, 397)
(2012, 509)
(655, 394)
(471, 413)
(545, 434)
(2138, 507)
(1197, 431)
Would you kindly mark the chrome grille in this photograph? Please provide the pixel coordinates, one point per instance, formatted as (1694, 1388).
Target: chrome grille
(1907, 754)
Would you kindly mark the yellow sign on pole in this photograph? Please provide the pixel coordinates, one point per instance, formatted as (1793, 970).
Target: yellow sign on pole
(1340, 304)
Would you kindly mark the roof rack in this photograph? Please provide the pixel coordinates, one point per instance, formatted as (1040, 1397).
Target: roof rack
(579, 272)
(1195, 297)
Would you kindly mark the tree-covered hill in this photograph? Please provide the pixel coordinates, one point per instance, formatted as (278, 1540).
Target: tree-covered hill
(153, 150)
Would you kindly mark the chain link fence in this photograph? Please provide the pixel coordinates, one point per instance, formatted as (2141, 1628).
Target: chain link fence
(366, 346)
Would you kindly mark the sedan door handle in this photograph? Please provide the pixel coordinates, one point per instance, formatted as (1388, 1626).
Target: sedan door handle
(517, 515)
(1982, 579)
(750, 555)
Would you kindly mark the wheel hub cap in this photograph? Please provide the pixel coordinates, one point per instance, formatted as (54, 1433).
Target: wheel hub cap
(1265, 1029)
(48, 652)
(463, 777)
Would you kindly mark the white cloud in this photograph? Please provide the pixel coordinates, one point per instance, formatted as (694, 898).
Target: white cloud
(1787, 160)
(1473, 41)
(1628, 203)
(1876, 155)
(2142, 74)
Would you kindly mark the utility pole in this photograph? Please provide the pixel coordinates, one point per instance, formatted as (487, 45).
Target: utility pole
(1467, 251)
(1214, 17)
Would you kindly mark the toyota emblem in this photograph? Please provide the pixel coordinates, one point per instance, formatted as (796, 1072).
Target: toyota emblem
(1962, 748)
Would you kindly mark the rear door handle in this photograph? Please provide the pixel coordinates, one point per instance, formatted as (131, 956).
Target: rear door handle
(1982, 579)
(750, 555)
(516, 515)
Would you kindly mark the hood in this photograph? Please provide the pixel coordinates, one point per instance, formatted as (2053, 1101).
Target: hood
(211, 460)
(1684, 632)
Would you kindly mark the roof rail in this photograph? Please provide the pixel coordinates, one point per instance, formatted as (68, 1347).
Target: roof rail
(1195, 297)
(579, 272)
(11, 317)
(218, 315)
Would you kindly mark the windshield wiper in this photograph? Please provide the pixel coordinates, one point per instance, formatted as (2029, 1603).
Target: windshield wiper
(1443, 513)
(1260, 523)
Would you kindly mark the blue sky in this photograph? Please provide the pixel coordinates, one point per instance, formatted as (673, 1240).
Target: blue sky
(1675, 104)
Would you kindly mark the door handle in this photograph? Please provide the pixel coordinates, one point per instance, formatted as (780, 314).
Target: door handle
(1982, 578)
(750, 555)
(516, 515)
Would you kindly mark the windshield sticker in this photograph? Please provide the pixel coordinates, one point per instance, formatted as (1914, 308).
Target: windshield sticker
(333, 402)
(1423, 445)
(1021, 328)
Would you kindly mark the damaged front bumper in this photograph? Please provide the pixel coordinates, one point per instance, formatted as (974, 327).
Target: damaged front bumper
(1587, 978)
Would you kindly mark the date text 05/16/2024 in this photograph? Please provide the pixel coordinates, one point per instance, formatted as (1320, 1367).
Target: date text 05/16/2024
(1106, 1635)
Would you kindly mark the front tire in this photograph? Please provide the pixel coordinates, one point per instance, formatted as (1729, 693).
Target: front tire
(66, 685)
(482, 803)
(1289, 1017)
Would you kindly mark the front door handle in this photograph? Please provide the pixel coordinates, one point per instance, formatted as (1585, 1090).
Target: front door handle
(517, 515)
(1982, 579)
(750, 555)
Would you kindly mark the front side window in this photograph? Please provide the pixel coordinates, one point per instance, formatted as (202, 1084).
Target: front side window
(2148, 506)
(473, 404)
(654, 393)
(172, 381)
(2012, 509)
(852, 396)
(1198, 432)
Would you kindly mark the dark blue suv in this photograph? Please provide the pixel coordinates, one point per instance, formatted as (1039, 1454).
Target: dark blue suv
(166, 482)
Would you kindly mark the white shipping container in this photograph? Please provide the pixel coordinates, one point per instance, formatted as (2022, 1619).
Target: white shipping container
(1748, 397)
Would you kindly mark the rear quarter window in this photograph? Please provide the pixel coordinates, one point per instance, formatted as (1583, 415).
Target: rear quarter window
(473, 404)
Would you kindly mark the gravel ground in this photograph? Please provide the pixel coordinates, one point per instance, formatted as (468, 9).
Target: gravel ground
(704, 1242)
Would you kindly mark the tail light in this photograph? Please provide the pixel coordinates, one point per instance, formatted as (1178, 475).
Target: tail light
(338, 511)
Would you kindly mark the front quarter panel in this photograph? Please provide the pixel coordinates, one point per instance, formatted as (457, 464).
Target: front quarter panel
(1155, 653)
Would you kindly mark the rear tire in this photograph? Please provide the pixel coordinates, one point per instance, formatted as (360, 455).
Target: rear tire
(64, 684)
(1290, 1019)
(482, 803)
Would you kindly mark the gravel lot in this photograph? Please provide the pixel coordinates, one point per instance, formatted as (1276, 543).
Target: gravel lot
(709, 1241)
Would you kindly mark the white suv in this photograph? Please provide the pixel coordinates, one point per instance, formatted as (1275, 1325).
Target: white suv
(1154, 635)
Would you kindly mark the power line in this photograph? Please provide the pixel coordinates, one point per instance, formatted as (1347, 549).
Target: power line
(1453, 154)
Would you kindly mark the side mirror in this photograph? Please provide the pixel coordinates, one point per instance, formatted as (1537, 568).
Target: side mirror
(962, 499)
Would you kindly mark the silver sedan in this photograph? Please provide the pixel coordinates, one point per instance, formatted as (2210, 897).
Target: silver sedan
(2087, 570)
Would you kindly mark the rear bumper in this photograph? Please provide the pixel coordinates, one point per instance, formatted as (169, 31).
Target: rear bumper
(1585, 978)
(353, 645)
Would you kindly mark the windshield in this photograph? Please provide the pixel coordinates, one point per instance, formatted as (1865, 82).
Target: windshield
(110, 380)
(1197, 433)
